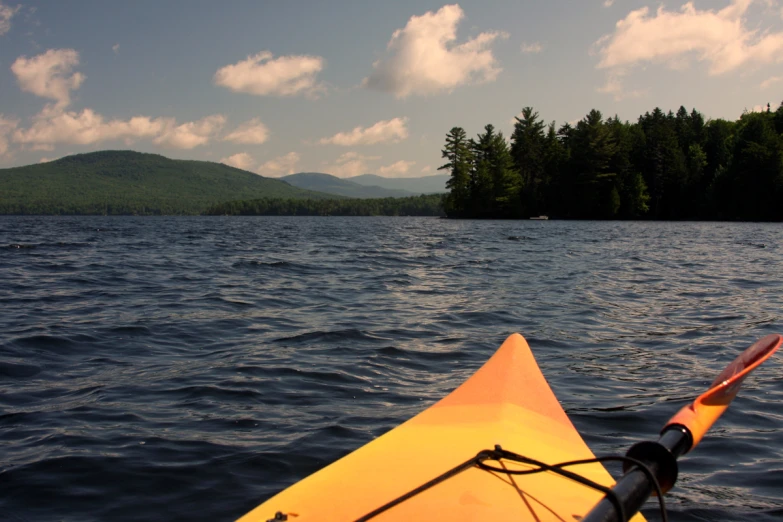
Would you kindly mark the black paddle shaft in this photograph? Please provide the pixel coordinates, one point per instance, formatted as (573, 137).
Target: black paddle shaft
(635, 486)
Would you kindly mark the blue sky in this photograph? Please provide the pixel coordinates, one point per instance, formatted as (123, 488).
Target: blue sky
(353, 87)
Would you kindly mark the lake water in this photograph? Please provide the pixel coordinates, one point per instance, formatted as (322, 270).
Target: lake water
(189, 368)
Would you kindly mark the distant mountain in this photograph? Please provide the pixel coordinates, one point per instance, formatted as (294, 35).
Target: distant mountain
(423, 185)
(334, 185)
(128, 182)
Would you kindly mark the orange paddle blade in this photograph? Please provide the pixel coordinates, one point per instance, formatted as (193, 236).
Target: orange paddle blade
(699, 416)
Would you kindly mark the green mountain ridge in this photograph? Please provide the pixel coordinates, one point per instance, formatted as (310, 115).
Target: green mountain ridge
(129, 182)
(434, 184)
(333, 185)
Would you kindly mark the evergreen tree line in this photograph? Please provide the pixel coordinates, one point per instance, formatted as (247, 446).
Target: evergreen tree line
(426, 205)
(151, 207)
(663, 166)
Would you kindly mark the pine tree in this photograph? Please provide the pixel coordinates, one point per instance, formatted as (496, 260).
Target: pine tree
(527, 149)
(506, 181)
(663, 165)
(756, 169)
(459, 155)
(482, 184)
(593, 149)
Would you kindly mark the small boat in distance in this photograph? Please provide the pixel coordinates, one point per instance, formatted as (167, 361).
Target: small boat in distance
(540, 218)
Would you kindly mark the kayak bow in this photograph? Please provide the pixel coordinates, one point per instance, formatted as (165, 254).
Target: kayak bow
(507, 402)
(437, 465)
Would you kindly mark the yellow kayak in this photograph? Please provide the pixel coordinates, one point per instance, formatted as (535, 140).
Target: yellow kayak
(508, 403)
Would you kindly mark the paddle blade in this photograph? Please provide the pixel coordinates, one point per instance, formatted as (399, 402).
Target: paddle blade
(699, 416)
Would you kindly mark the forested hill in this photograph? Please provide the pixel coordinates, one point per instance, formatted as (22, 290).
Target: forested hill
(663, 166)
(424, 205)
(127, 182)
(342, 187)
(434, 184)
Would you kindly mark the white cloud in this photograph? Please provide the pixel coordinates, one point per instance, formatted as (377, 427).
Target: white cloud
(426, 169)
(531, 48)
(54, 126)
(191, 134)
(46, 160)
(769, 82)
(243, 161)
(423, 58)
(614, 86)
(352, 164)
(6, 13)
(7, 126)
(251, 132)
(279, 166)
(355, 155)
(116, 48)
(393, 131)
(398, 169)
(349, 164)
(608, 3)
(719, 38)
(48, 74)
(263, 76)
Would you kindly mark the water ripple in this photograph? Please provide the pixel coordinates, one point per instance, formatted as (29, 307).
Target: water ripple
(189, 368)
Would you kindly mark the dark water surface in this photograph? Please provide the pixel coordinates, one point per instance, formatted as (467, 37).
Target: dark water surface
(189, 368)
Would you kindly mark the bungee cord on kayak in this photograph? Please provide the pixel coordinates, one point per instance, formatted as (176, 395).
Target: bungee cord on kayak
(499, 454)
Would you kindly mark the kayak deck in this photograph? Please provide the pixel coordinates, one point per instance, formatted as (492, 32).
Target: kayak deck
(507, 402)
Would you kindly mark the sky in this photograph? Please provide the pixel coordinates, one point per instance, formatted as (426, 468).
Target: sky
(349, 87)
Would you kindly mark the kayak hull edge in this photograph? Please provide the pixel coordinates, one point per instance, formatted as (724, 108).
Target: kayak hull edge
(506, 402)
